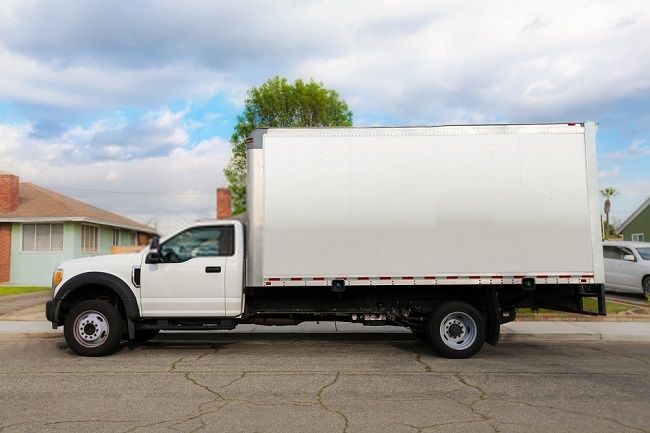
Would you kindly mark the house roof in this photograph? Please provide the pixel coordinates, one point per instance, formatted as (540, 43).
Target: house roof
(635, 214)
(39, 204)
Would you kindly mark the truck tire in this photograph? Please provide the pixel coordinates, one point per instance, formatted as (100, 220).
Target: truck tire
(93, 328)
(456, 330)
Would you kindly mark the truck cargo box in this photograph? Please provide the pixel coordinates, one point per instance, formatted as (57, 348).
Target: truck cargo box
(480, 204)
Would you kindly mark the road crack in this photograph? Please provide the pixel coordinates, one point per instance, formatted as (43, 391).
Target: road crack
(84, 421)
(418, 359)
(243, 374)
(576, 413)
(482, 394)
(321, 402)
(2, 428)
(599, 349)
(420, 429)
(134, 428)
(172, 368)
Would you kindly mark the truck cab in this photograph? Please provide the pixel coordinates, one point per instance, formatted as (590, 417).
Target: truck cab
(195, 273)
(198, 272)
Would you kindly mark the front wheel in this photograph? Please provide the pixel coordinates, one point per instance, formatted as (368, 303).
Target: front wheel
(456, 330)
(646, 287)
(93, 328)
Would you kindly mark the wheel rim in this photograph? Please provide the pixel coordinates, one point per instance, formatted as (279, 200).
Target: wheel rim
(458, 330)
(91, 328)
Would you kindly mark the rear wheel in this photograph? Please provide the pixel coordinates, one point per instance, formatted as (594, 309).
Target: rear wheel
(93, 328)
(456, 330)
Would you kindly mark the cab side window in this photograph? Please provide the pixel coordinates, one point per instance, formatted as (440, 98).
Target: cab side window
(209, 241)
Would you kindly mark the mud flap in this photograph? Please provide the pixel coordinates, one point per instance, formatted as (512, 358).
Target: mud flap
(493, 322)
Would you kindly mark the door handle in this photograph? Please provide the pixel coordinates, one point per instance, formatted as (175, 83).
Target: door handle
(212, 269)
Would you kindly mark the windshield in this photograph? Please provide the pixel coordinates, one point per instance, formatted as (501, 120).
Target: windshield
(644, 253)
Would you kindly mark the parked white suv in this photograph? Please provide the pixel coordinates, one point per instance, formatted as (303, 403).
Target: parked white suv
(627, 266)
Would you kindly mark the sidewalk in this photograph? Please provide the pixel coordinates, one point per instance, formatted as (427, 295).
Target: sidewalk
(513, 331)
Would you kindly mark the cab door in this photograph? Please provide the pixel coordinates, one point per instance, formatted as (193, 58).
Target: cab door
(190, 279)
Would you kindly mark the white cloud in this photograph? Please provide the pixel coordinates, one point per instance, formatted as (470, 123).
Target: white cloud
(423, 63)
(482, 61)
(153, 133)
(608, 174)
(637, 149)
(31, 80)
(179, 181)
(638, 189)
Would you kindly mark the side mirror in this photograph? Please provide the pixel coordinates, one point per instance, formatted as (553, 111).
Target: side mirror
(153, 256)
(629, 258)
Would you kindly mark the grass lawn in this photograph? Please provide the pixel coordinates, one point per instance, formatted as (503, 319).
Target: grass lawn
(590, 304)
(15, 290)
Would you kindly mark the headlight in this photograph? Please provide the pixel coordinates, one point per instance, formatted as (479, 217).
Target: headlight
(57, 277)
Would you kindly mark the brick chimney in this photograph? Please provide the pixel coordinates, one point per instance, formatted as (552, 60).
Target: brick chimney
(8, 192)
(224, 203)
(8, 203)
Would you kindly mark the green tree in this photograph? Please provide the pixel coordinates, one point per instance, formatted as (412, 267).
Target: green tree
(278, 103)
(608, 193)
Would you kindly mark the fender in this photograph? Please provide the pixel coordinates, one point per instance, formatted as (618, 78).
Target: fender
(102, 279)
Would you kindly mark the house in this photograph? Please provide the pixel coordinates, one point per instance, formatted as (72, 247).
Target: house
(40, 228)
(637, 226)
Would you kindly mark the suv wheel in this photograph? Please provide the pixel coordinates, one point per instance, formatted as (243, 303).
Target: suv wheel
(93, 328)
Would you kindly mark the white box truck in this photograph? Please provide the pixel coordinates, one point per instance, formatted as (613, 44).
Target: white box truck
(445, 230)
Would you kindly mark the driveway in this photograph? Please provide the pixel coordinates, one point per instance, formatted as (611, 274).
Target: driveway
(323, 383)
(30, 306)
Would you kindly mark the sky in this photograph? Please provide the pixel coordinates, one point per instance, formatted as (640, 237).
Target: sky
(130, 105)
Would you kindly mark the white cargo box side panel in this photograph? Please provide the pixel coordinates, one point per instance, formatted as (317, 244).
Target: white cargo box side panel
(426, 201)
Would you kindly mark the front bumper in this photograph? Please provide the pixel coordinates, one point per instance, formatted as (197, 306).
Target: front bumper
(53, 312)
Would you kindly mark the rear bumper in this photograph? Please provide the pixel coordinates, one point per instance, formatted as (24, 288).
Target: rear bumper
(53, 312)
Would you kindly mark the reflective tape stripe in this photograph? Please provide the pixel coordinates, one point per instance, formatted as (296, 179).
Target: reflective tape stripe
(434, 279)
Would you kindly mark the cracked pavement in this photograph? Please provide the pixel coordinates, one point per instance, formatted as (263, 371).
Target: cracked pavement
(323, 383)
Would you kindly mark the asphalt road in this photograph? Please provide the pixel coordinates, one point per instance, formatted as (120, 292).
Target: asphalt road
(324, 383)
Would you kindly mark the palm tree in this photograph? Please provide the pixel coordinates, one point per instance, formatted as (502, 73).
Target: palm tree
(608, 193)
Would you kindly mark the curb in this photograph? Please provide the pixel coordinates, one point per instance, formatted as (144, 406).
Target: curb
(18, 336)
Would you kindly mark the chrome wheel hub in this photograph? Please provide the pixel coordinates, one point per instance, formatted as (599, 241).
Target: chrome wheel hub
(458, 330)
(91, 329)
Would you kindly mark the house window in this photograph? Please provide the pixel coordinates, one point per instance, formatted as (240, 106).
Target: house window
(116, 237)
(638, 237)
(130, 238)
(43, 237)
(89, 238)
